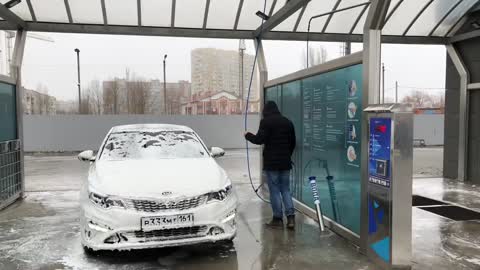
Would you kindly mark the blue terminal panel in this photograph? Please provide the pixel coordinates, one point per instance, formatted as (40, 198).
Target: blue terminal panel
(379, 199)
(379, 151)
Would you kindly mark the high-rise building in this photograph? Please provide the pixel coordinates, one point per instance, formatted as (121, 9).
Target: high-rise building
(215, 71)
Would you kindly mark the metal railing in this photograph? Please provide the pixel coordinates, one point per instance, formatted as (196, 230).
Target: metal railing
(10, 172)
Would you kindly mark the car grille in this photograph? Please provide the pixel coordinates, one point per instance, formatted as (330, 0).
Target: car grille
(156, 206)
(168, 234)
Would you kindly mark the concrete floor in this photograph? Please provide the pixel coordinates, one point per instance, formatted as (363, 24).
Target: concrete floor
(41, 232)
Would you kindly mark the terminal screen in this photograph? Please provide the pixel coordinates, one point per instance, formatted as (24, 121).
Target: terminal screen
(379, 151)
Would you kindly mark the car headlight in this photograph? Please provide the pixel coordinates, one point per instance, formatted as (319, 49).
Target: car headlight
(105, 201)
(220, 195)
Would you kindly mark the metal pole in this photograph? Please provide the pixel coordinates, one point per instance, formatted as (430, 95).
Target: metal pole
(164, 84)
(242, 80)
(348, 48)
(383, 83)
(78, 84)
(242, 49)
(396, 91)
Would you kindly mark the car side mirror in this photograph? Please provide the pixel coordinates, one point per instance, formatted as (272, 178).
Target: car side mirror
(217, 152)
(87, 156)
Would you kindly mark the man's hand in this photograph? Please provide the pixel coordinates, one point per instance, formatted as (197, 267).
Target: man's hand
(245, 133)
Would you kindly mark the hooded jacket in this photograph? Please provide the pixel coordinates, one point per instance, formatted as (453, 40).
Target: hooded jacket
(277, 134)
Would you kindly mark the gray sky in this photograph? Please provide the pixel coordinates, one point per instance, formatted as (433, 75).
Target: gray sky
(105, 56)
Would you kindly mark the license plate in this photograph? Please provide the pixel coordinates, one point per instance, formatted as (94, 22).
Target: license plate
(153, 223)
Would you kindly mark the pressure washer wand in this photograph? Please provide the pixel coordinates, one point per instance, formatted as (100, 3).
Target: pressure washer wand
(316, 201)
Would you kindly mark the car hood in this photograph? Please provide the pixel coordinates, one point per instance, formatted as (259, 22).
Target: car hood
(157, 178)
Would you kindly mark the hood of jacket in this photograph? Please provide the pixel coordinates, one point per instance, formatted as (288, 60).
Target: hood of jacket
(270, 109)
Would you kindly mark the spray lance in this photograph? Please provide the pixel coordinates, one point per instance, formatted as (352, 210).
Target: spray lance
(316, 197)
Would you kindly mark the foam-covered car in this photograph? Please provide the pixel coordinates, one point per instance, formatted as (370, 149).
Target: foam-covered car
(155, 186)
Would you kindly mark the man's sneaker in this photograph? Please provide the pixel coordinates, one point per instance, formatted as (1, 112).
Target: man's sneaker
(291, 222)
(275, 223)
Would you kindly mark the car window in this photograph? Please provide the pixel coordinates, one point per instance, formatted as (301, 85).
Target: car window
(152, 145)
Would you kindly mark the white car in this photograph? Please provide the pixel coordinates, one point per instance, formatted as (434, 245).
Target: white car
(155, 186)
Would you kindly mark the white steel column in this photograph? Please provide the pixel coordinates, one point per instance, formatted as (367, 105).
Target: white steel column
(462, 111)
(16, 68)
(372, 54)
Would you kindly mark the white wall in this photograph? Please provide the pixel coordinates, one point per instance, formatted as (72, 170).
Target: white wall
(429, 127)
(80, 132)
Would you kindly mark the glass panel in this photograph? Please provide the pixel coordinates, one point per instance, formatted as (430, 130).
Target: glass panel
(403, 16)
(273, 94)
(21, 10)
(292, 95)
(190, 13)
(288, 24)
(326, 111)
(157, 12)
(315, 8)
(222, 14)
(361, 23)
(50, 10)
(343, 21)
(8, 113)
(86, 11)
(331, 143)
(449, 22)
(430, 17)
(248, 20)
(122, 12)
(393, 3)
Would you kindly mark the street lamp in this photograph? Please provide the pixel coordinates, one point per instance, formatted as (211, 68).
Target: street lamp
(78, 84)
(164, 84)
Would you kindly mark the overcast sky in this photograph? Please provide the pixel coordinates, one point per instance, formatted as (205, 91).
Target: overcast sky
(105, 56)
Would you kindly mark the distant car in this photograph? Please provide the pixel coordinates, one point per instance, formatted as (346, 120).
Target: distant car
(419, 143)
(155, 186)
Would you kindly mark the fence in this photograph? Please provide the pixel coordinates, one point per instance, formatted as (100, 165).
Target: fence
(80, 132)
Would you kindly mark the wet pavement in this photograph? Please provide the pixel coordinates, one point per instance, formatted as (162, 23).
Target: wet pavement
(42, 232)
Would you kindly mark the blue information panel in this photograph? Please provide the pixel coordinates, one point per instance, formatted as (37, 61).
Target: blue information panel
(379, 149)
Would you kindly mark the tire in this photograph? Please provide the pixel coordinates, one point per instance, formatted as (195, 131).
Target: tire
(89, 251)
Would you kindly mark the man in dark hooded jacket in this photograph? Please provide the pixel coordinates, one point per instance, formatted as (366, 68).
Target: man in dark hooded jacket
(277, 134)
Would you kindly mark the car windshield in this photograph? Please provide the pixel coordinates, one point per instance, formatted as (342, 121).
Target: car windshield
(152, 145)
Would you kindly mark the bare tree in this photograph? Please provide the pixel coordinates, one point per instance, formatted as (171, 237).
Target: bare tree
(419, 99)
(439, 101)
(96, 96)
(111, 96)
(85, 106)
(316, 56)
(138, 95)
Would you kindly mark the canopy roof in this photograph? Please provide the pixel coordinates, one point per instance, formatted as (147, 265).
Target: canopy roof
(407, 21)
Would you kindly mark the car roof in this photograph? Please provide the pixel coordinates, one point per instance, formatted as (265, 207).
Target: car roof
(150, 127)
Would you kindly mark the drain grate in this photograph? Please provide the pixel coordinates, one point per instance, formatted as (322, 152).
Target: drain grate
(418, 200)
(453, 212)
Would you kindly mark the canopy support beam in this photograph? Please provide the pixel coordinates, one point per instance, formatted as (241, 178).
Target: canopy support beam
(462, 111)
(16, 68)
(290, 7)
(465, 36)
(12, 18)
(372, 54)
